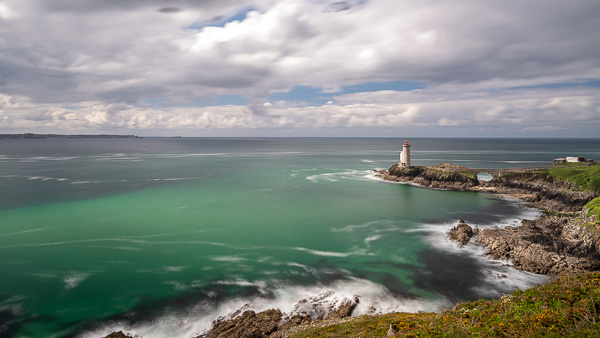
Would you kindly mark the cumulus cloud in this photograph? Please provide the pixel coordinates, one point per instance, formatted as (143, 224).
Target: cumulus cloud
(478, 60)
(493, 113)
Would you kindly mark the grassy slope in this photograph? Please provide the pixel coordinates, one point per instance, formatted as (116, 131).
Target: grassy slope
(593, 207)
(566, 307)
(587, 178)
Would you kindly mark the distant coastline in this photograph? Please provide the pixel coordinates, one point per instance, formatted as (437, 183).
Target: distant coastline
(59, 136)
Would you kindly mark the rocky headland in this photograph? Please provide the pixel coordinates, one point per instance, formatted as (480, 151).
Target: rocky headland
(564, 240)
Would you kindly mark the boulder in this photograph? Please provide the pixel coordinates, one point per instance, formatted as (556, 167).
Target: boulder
(342, 311)
(118, 334)
(249, 324)
(461, 233)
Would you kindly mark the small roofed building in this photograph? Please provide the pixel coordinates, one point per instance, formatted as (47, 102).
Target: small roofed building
(571, 159)
(575, 159)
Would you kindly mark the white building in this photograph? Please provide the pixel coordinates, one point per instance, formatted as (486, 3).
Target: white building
(405, 155)
(575, 159)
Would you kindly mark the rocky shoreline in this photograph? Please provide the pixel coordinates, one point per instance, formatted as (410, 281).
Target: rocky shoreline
(272, 323)
(555, 243)
(243, 323)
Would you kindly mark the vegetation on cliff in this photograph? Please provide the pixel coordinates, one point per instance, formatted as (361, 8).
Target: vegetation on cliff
(593, 209)
(586, 178)
(565, 307)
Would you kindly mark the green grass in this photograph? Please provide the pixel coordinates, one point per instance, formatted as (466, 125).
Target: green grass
(583, 177)
(566, 164)
(468, 174)
(566, 307)
(587, 178)
(593, 208)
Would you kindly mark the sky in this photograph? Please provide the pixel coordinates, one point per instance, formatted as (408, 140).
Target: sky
(355, 68)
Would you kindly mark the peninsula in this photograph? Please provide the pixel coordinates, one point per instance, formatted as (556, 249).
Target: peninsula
(566, 239)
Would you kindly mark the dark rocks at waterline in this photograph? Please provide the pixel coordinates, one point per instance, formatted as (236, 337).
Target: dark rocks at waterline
(548, 245)
(342, 311)
(249, 324)
(549, 196)
(272, 323)
(539, 191)
(462, 233)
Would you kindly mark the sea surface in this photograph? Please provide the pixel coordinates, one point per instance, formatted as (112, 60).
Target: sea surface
(158, 236)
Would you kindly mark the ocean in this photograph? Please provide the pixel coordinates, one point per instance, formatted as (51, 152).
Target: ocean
(160, 236)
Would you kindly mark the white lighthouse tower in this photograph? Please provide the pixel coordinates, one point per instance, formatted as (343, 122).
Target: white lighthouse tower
(405, 155)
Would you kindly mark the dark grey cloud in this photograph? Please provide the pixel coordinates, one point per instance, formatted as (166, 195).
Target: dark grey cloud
(168, 10)
(338, 6)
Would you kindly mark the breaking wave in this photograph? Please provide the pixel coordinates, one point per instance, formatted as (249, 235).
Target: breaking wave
(316, 301)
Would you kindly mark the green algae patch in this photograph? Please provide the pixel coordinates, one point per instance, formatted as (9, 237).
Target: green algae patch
(565, 307)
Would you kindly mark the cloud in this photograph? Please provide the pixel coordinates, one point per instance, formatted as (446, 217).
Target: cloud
(471, 56)
(491, 113)
(168, 10)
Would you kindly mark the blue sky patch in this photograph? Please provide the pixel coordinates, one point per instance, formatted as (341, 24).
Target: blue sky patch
(400, 86)
(303, 94)
(313, 95)
(221, 21)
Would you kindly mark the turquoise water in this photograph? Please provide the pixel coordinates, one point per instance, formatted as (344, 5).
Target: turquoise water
(159, 237)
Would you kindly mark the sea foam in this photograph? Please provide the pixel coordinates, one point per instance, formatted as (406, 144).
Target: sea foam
(314, 300)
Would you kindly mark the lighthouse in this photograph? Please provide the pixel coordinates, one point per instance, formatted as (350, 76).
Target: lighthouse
(405, 155)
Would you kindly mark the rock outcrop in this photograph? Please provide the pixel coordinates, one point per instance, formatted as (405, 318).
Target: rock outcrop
(548, 245)
(542, 194)
(342, 311)
(462, 233)
(248, 325)
(430, 177)
(118, 334)
(274, 324)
